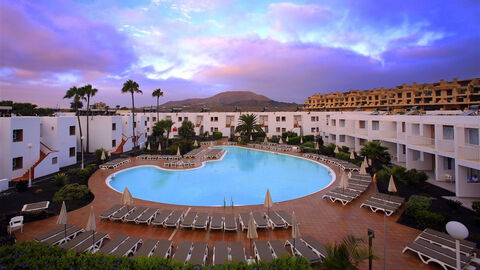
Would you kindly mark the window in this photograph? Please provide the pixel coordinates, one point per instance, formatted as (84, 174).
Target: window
(148, 129)
(334, 122)
(212, 129)
(449, 92)
(312, 118)
(313, 129)
(415, 129)
(284, 130)
(448, 133)
(403, 126)
(114, 126)
(17, 163)
(375, 125)
(148, 118)
(72, 151)
(404, 149)
(214, 119)
(185, 119)
(17, 135)
(316, 118)
(318, 129)
(438, 92)
(284, 118)
(145, 135)
(342, 138)
(278, 118)
(471, 136)
(277, 129)
(361, 124)
(55, 160)
(399, 95)
(154, 119)
(179, 119)
(447, 163)
(409, 95)
(145, 124)
(114, 143)
(72, 130)
(134, 124)
(342, 123)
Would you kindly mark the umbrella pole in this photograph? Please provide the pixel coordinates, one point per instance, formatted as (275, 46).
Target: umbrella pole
(384, 241)
(65, 228)
(294, 246)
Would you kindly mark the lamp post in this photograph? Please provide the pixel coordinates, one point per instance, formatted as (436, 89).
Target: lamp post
(371, 235)
(459, 232)
(81, 146)
(29, 167)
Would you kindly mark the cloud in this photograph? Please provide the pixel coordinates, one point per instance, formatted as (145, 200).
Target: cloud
(36, 41)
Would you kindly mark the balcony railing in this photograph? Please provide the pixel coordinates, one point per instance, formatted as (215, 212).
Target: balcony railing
(445, 145)
(420, 140)
(469, 152)
(362, 131)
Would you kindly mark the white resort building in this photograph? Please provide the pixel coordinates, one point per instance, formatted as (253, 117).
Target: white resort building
(444, 144)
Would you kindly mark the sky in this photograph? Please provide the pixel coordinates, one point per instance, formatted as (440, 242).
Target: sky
(287, 51)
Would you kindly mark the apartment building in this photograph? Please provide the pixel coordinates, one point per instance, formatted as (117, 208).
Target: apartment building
(443, 95)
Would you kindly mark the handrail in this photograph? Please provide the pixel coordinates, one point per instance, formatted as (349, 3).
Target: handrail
(48, 148)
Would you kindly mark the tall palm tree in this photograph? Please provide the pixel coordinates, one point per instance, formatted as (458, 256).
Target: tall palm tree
(88, 92)
(157, 93)
(132, 88)
(167, 126)
(247, 124)
(77, 95)
(377, 153)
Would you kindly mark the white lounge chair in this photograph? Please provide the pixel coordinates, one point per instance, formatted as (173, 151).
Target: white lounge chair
(15, 223)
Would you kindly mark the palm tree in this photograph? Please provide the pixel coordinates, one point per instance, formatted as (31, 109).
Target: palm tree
(377, 153)
(88, 92)
(247, 124)
(347, 255)
(157, 93)
(77, 95)
(132, 88)
(167, 125)
(157, 131)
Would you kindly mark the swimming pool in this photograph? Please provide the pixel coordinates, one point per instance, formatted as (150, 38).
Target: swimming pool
(243, 175)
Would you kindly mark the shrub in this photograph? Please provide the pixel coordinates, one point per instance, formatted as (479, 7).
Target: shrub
(72, 172)
(308, 138)
(60, 180)
(184, 145)
(288, 134)
(454, 204)
(308, 145)
(21, 186)
(217, 135)
(476, 207)
(414, 177)
(345, 149)
(343, 156)
(416, 204)
(71, 192)
(426, 219)
(294, 140)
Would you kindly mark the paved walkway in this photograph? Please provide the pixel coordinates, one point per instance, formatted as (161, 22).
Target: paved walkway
(326, 221)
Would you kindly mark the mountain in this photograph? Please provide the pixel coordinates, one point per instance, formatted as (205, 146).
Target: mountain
(227, 101)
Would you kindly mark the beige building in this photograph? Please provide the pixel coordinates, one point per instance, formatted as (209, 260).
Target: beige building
(455, 95)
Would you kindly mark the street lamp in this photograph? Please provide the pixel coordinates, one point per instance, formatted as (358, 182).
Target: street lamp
(459, 232)
(81, 146)
(371, 235)
(29, 167)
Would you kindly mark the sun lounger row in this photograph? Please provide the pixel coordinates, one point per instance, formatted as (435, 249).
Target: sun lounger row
(438, 247)
(159, 157)
(180, 164)
(345, 195)
(197, 152)
(307, 247)
(230, 143)
(267, 251)
(273, 147)
(275, 219)
(207, 143)
(222, 253)
(60, 235)
(388, 204)
(214, 153)
(344, 165)
(114, 163)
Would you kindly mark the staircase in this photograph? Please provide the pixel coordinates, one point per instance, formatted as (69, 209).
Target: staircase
(26, 175)
(120, 147)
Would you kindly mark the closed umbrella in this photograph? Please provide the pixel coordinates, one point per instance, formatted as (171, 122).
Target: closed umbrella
(148, 146)
(127, 197)
(195, 144)
(280, 141)
(62, 218)
(336, 151)
(178, 151)
(363, 168)
(159, 147)
(286, 139)
(365, 161)
(109, 153)
(91, 226)
(391, 185)
(251, 138)
(301, 140)
(102, 158)
(352, 155)
(265, 140)
(295, 230)
(268, 201)
(344, 181)
(317, 146)
(252, 231)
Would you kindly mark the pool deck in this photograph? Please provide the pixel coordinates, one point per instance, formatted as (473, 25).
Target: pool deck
(322, 219)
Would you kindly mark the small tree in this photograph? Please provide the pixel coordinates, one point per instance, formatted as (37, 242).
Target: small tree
(346, 255)
(377, 153)
(186, 131)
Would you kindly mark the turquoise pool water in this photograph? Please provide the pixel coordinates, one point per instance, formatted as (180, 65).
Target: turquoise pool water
(242, 175)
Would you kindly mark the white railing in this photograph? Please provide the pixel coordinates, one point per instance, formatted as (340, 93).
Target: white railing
(45, 149)
(469, 152)
(420, 140)
(445, 145)
(361, 131)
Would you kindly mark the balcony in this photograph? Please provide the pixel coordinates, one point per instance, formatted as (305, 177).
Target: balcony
(445, 145)
(469, 152)
(421, 141)
(362, 131)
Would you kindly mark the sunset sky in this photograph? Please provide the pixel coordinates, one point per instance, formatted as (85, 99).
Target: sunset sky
(196, 48)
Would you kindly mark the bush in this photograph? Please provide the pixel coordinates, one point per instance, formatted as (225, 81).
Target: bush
(416, 204)
(426, 219)
(343, 156)
(345, 149)
(72, 172)
(31, 255)
(217, 135)
(308, 145)
(184, 145)
(454, 204)
(476, 207)
(294, 140)
(308, 138)
(21, 186)
(60, 180)
(414, 177)
(71, 192)
(288, 134)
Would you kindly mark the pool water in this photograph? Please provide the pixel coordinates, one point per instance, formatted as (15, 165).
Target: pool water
(243, 175)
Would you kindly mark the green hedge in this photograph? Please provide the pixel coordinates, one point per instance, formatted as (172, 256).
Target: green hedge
(418, 209)
(60, 180)
(71, 192)
(217, 135)
(30, 255)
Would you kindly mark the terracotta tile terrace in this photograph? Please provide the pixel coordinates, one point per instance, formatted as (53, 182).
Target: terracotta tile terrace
(322, 219)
